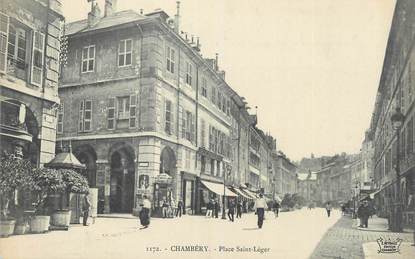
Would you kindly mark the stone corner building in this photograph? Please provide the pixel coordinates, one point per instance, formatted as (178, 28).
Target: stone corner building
(29, 67)
(148, 114)
(396, 90)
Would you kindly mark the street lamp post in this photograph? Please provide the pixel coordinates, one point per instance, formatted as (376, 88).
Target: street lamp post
(226, 173)
(356, 198)
(397, 120)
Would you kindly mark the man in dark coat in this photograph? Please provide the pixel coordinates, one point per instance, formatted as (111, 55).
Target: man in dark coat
(216, 208)
(239, 209)
(85, 209)
(179, 208)
(276, 208)
(231, 210)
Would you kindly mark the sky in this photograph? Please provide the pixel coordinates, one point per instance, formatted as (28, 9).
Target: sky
(312, 67)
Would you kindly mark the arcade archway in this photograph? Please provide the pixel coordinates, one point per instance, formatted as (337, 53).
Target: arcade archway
(122, 178)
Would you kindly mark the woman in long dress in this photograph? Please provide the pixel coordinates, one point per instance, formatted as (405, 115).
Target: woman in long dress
(145, 213)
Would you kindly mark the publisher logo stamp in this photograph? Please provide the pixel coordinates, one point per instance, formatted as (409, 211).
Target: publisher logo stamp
(388, 246)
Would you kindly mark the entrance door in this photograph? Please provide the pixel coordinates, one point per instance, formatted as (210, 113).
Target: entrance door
(121, 183)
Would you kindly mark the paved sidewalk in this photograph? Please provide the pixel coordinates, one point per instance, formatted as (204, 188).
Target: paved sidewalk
(344, 240)
(377, 224)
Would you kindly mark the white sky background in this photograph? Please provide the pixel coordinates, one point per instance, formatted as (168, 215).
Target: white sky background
(311, 66)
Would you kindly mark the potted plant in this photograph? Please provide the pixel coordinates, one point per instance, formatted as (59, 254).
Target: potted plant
(44, 181)
(14, 174)
(73, 183)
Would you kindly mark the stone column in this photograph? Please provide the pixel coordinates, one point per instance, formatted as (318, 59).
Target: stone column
(103, 177)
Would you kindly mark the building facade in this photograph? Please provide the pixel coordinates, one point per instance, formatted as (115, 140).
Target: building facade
(149, 115)
(286, 175)
(30, 34)
(396, 90)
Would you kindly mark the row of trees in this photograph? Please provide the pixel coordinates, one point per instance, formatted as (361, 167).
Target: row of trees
(20, 175)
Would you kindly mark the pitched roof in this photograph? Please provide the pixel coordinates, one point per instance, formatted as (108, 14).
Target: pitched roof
(65, 160)
(118, 18)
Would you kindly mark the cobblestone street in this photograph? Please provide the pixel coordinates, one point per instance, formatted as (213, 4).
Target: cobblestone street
(120, 238)
(345, 241)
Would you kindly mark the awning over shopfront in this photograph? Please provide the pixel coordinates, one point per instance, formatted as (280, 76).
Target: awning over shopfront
(218, 189)
(372, 195)
(241, 193)
(250, 193)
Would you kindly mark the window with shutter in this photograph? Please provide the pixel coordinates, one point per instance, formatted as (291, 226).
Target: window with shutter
(133, 111)
(88, 115)
(170, 60)
(168, 123)
(60, 118)
(37, 58)
(4, 31)
(183, 115)
(189, 73)
(111, 114)
(81, 116)
(202, 133)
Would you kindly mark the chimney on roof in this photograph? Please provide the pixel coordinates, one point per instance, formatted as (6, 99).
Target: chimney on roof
(110, 7)
(216, 61)
(177, 17)
(94, 15)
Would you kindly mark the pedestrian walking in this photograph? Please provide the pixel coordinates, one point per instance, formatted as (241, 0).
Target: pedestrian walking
(260, 206)
(179, 208)
(328, 208)
(343, 207)
(365, 214)
(165, 208)
(144, 214)
(231, 210)
(239, 209)
(411, 207)
(85, 209)
(209, 209)
(216, 208)
(360, 214)
(173, 208)
(276, 208)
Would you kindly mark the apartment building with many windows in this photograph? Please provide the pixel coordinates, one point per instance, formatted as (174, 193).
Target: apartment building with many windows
(30, 32)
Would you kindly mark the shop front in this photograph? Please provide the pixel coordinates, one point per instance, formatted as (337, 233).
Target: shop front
(209, 190)
(163, 192)
(188, 192)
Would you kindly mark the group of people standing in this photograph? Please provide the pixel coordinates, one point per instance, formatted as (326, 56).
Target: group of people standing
(213, 208)
(171, 209)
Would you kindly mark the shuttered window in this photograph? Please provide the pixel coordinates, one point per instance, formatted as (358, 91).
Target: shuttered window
(88, 116)
(37, 58)
(85, 116)
(202, 133)
(133, 111)
(4, 31)
(189, 73)
(111, 113)
(168, 123)
(60, 118)
(170, 60)
(81, 116)
(410, 135)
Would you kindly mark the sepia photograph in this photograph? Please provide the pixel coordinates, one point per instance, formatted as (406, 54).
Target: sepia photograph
(163, 129)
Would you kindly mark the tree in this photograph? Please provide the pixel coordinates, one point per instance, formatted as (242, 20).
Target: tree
(44, 181)
(15, 174)
(73, 183)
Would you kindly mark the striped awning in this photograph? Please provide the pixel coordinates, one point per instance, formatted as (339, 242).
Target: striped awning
(219, 189)
(241, 193)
